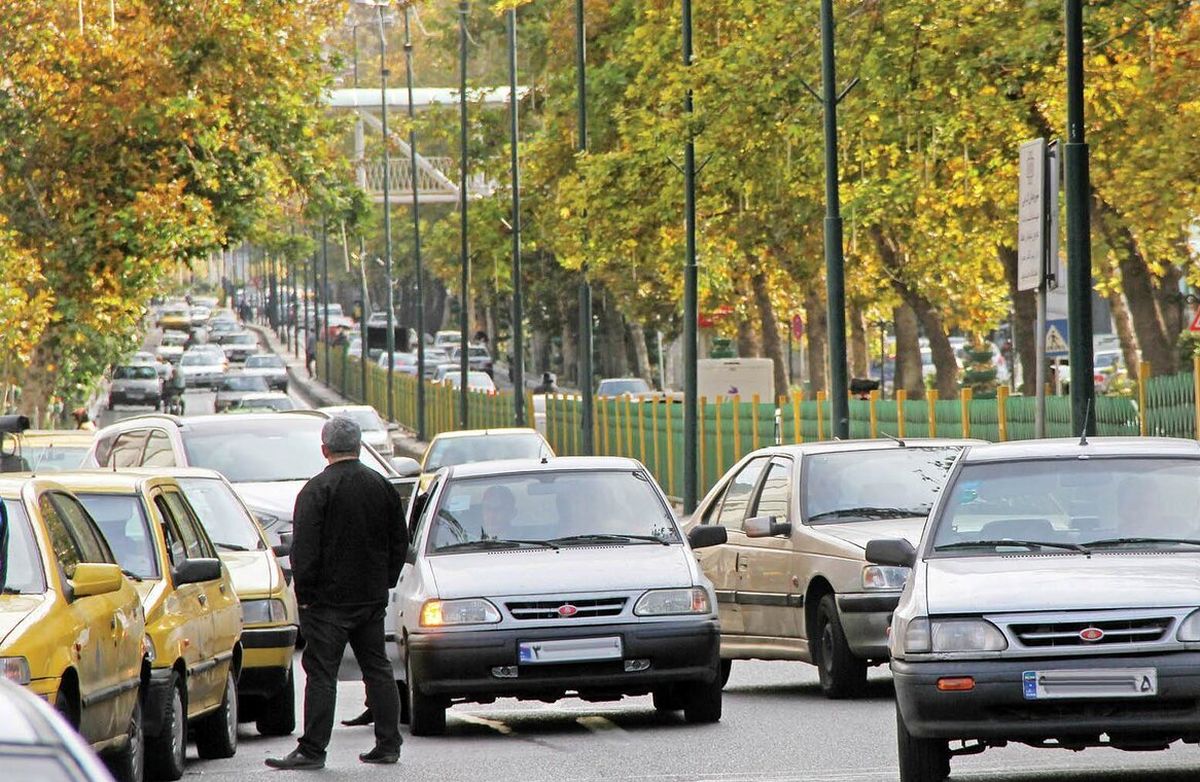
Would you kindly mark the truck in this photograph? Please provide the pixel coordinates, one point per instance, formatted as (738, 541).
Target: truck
(740, 377)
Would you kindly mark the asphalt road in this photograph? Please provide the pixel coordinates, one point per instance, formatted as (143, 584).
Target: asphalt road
(776, 728)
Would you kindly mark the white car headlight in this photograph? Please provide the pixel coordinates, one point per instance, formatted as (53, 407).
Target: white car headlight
(880, 577)
(967, 635)
(440, 613)
(263, 612)
(15, 669)
(1189, 628)
(673, 602)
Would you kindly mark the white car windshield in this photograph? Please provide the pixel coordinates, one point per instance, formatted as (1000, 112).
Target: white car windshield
(865, 485)
(1072, 504)
(560, 508)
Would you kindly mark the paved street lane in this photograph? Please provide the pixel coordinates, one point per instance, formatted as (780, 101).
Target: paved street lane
(776, 728)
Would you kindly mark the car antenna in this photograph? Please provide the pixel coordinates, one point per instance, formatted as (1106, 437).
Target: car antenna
(1087, 416)
(893, 438)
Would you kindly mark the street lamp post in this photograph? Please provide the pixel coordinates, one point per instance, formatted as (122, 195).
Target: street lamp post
(518, 346)
(323, 334)
(416, 212)
(585, 288)
(463, 316)
(691, 434)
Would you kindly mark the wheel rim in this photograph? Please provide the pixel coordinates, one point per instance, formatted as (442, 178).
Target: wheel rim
(231, 712)
(137, 747)
(177, 727)
(827, 649)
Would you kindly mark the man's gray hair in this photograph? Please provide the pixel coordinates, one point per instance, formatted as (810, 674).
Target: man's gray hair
(341, 435)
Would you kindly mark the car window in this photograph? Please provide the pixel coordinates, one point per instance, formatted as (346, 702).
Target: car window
(226, 521)
(138, 372)
(104, 446)
(127, 450)
(176, 548)
(776, 492)
(20, 563)
(737, 496)
(197, 543)
(83, 529)
(66, 548)
(158, 450)
(450, 451)
(122, 521)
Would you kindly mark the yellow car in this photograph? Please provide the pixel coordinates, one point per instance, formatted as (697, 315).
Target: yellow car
(266, 688)
(193, 618)
(55, 450)
(71, 625)
(481, 445)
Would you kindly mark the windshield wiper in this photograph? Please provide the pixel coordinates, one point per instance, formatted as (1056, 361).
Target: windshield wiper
(1105, 542)
(870, 513)
(131, 575)
(609, 537)
(230, 546)
(998, 543)
(496, 543)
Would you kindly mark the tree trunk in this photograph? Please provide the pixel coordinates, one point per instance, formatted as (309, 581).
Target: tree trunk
(908, 352)
(816, 336)
(637, 336)
(1024, 322)
(747, 339)
(770, 332)
(1170, 303)
(1124, 325)
(860, 363)
(614, 361)
(570, 347)
(1138, 284)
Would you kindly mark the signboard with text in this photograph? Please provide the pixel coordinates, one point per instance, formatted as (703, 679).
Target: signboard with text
(1031, 215)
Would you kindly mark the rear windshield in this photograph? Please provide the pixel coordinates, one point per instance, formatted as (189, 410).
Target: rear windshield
(54, 458)
(140, 372)
(258, 362)
(244, 383)
(20, 563)
(450, 451)
(247, 449)
(122, 520)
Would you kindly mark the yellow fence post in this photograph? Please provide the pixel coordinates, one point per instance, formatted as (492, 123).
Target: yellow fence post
(629, 451)
(797, 424)
(932, 396)
(670, 457)
(1143, 378)
(901, 398)
(641, 416)
(965, 396)
(654, 431)
(611, 417)
(551, 429)
(737, 427)
(1002, 412)
(872, 400)
(754, 402)
(719, 457)
(575, 431)
(820, 415)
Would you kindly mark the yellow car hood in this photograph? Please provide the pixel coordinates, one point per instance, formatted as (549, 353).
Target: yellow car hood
(252, 572)
(14, 609)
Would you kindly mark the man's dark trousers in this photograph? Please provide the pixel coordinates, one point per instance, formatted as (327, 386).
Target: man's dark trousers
(327, 630)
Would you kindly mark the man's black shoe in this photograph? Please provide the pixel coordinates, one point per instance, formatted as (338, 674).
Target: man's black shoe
(381, 756)
(296, 761)
(366, 718)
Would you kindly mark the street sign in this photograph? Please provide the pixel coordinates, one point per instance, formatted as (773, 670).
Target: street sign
(797, 326)
(1031, 215)
(1195, 324)
(1057, 334)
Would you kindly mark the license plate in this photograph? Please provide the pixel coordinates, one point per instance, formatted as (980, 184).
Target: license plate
(569, 650)
(1094, 683)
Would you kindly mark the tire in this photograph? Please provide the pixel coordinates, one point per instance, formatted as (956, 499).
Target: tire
(277, 715)
(216, 733)
(68, 706)
(129, 763)
(165, 753)
(921, 760)
(668, 699)
(726, 669)
(403, 688)
(842, 674)
(426, 715)
(702, 701)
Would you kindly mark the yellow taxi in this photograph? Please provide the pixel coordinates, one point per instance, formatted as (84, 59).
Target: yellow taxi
(55, 450)
(193, 617)
(71, 625)
(266, 687)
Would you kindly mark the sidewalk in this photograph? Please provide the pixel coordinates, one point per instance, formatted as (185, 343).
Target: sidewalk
(317, 394)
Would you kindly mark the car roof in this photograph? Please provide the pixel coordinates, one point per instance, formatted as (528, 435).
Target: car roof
(553, 464)
(174, 472)
(340, 408)
(203, 421)
(110, 481)
(58, 436)
(1072, 448)
(11, 484)
(881, 444)
(485, 433)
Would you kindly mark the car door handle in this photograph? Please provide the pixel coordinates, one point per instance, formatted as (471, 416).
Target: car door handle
(203, 598)
(743, 563)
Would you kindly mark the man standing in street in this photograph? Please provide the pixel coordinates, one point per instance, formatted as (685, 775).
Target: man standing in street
(347, 551)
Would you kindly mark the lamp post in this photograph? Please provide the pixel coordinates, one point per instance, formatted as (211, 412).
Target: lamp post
(518, 344)
(585, 288)
(464, 9)
(416, 212)
(690, 315)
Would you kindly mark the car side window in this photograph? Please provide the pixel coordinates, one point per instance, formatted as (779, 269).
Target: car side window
(738, 495)
(176, 548)
(776, 492)
(194, 539)
(709, 515)
(104, 449)
(127, 450)
(421, 510)
(83, 529)
(158, 450)
(66, 549)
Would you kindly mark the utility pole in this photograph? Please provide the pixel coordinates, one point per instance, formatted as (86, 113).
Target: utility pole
(323, 333)
(464, 412)
(416, 213)
(518, 336)
(585, 287)
(834, 263)
(691, 404)
(1079, 232)
(387, 221)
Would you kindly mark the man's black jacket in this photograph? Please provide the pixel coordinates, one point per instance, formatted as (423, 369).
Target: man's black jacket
(349, 538)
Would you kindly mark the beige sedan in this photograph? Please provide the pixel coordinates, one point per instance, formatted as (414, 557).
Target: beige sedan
(792, 581)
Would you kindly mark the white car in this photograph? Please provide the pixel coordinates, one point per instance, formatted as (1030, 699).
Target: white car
(201, 369)
(476, 381)
(447, 339)
(403, 363)
(375, 431)
(545, 579)
(270, 366)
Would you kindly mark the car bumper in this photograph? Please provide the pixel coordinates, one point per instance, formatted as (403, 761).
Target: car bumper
(997, 709)
(865, 620)
(267, 648)
(459, 665)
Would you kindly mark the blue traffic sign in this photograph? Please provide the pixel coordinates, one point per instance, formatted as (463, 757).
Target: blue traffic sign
(1057, 338)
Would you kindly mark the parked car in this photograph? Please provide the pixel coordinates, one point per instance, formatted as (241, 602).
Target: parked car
(622, 386)
(239, 345)
(55, 450)
(73, 626)
(233, 388)
(271, 367)
(375, 431)
(1054, 601)
(193, 618)
(542, 580)
(266, 684)
(476, 381)
(201, 369)
(37, 743)
(135, 384)
(792, 578)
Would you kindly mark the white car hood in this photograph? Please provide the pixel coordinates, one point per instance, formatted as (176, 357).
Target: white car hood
(860, 533)
(1061, 582)
(576, 569)
(277, 498)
